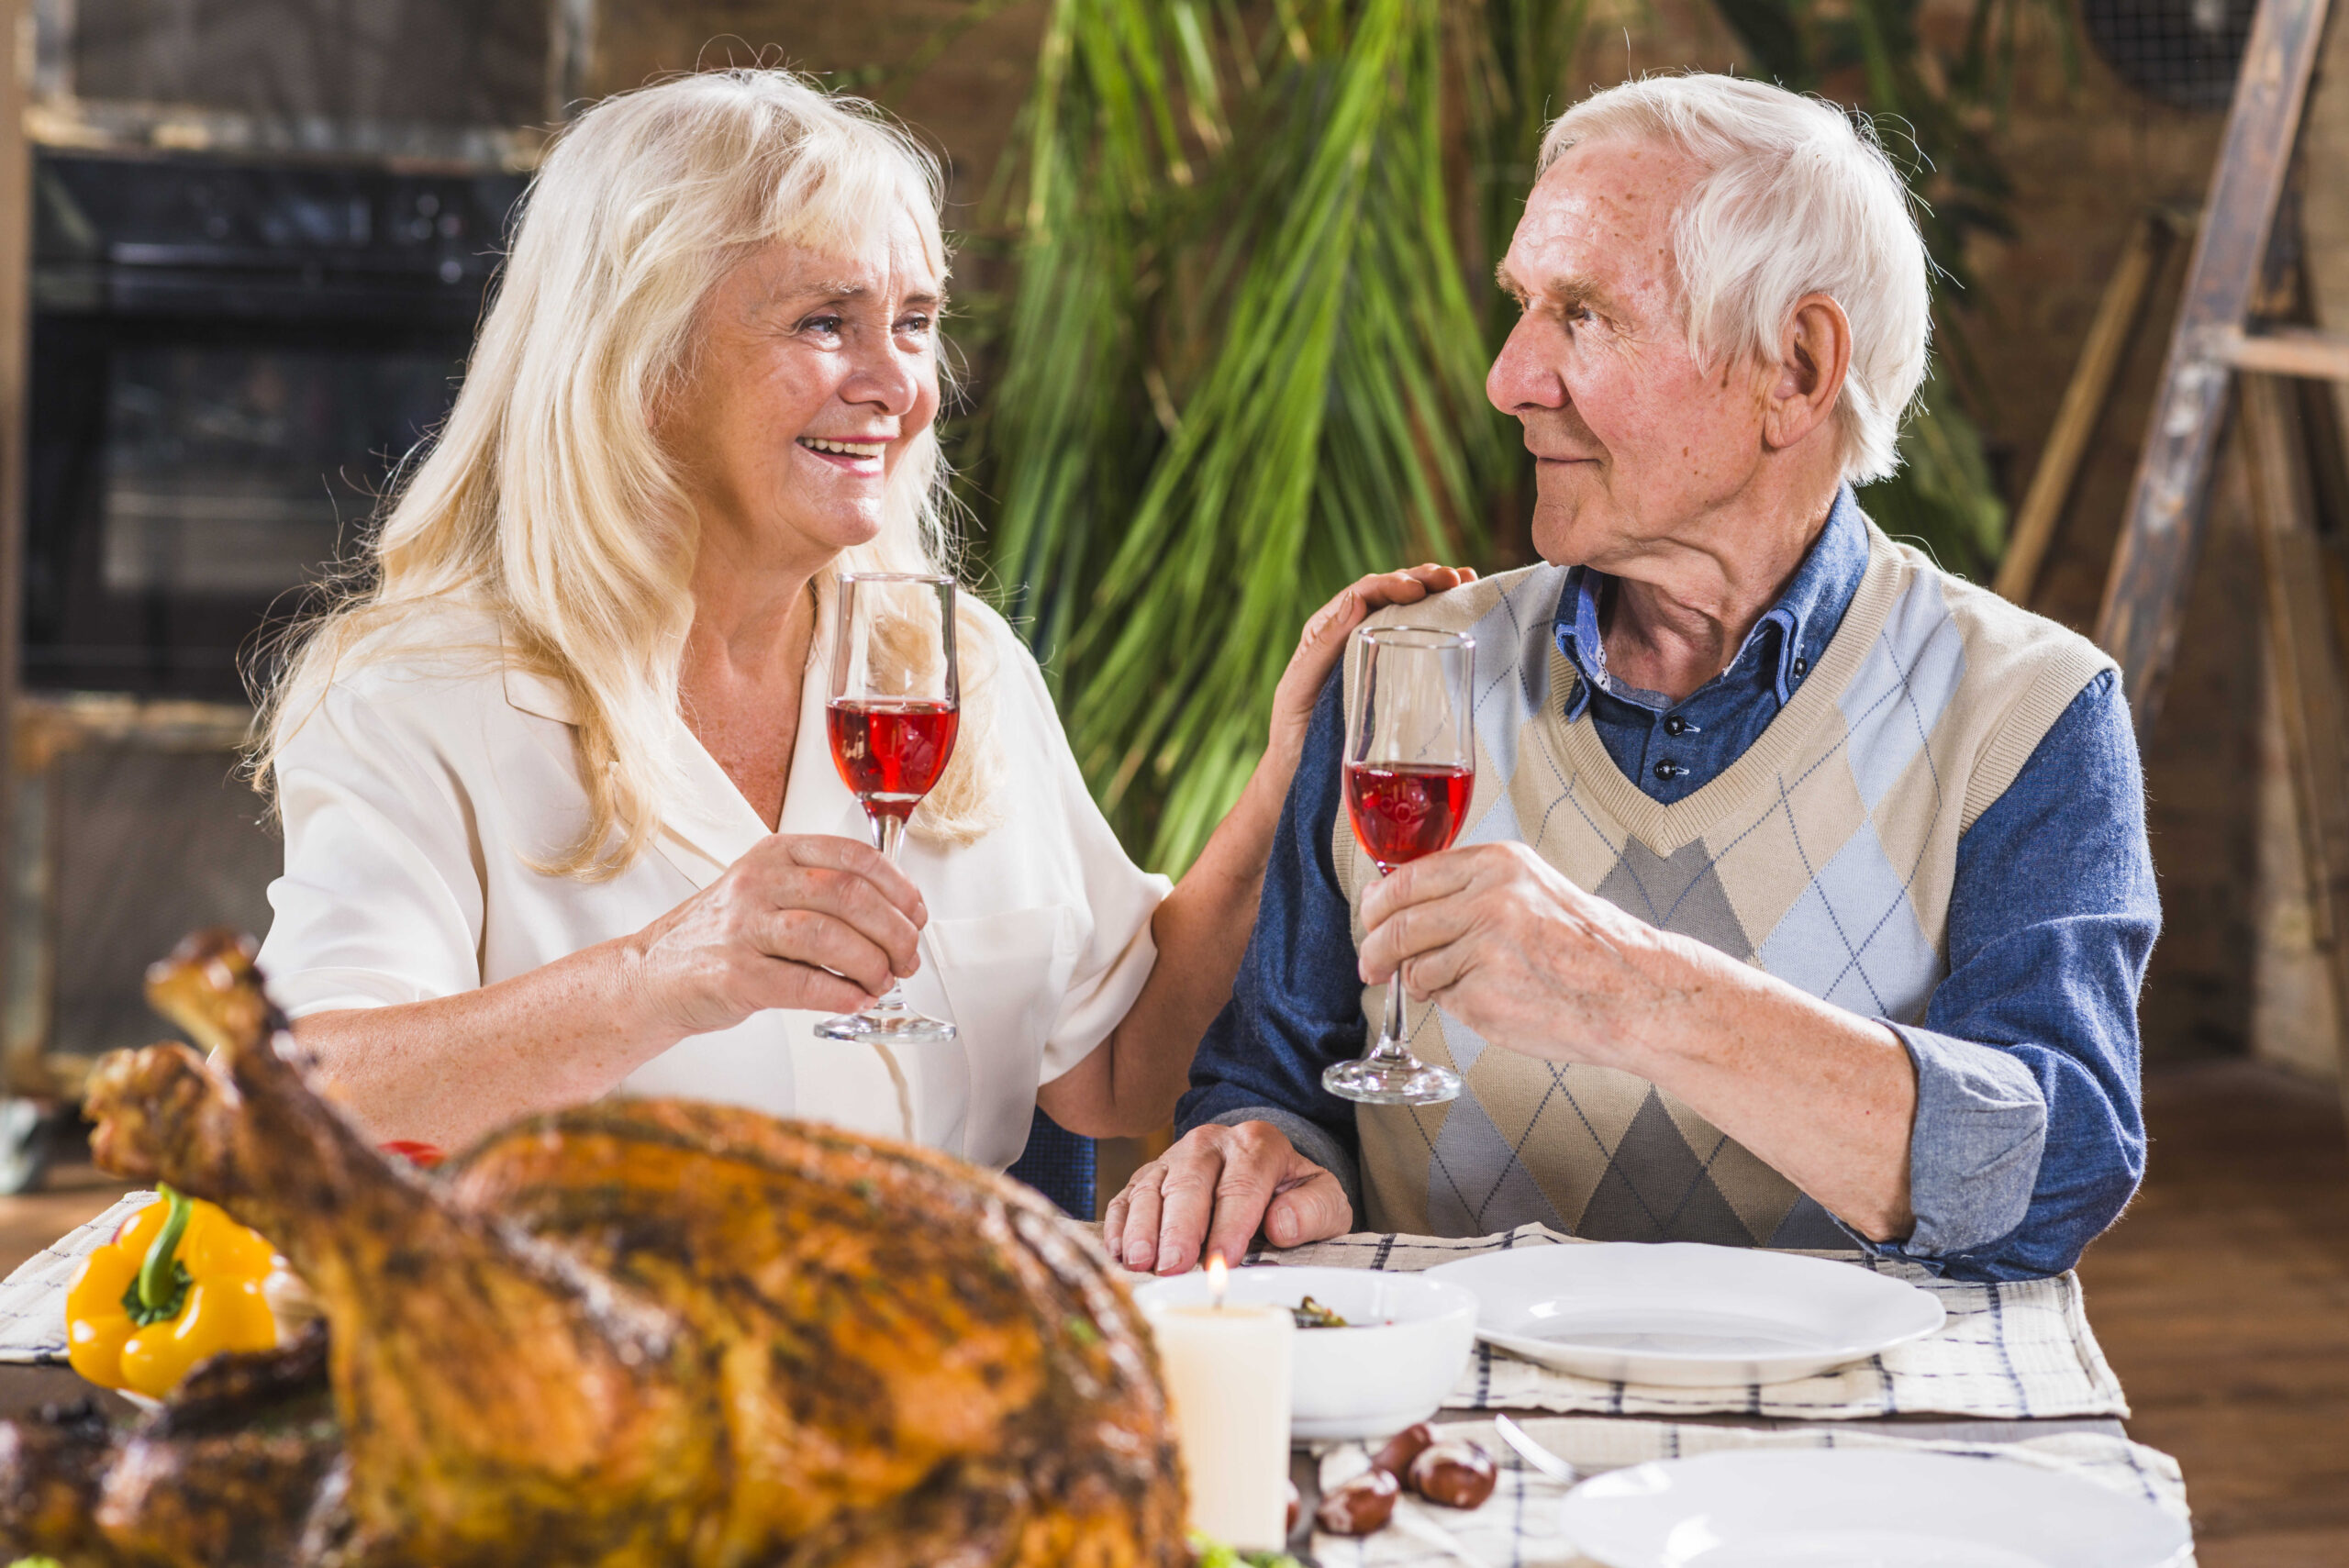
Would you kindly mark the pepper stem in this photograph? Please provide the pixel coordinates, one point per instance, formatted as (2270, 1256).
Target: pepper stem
(161, 1284)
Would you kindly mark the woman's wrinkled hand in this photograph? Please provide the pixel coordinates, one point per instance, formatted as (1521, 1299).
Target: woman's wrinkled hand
(806, 922)
(1324, 640)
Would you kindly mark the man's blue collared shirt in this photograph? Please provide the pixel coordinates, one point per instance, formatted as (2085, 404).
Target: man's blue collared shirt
(1674, 749)
(2028, 1139)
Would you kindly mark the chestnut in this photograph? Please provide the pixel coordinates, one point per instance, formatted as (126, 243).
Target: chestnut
(1360, 1506)
(1455, 1474)
(1402, 1449)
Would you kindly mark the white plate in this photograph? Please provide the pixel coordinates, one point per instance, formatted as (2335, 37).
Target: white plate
(1411, 1341)
(1859, 1508)
(1688, 1315)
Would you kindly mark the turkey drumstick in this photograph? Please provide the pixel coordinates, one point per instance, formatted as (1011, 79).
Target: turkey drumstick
(490, 1389)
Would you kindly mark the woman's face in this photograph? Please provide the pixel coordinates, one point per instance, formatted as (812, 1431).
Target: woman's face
(813, 372)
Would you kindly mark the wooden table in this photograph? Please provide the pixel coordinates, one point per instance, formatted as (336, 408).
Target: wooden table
(25, 1389)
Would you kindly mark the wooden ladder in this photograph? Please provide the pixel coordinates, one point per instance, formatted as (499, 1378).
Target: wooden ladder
(2221, 364)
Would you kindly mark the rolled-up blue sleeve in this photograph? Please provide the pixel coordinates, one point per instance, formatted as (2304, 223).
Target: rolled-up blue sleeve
(1296, 1005)
(2028, 1138)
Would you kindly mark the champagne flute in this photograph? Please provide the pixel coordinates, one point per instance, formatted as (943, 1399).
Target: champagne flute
(1410, 766)
(895, 707)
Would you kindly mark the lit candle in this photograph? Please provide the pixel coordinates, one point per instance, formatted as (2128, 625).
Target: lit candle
(1227, 1371)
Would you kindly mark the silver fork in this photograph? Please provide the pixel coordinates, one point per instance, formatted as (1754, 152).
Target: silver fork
(1533, 1453)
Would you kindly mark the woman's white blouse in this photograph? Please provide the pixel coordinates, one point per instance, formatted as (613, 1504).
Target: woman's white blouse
(418, 792)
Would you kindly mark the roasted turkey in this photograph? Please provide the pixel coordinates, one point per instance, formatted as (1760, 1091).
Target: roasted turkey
(642, 1332)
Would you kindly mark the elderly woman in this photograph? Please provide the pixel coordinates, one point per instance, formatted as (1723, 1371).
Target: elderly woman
(560, 816)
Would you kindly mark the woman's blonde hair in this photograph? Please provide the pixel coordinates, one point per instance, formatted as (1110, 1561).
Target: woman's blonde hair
(545, 500)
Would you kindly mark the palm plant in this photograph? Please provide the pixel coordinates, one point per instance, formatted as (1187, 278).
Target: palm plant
(1243, 368)
(1244, 361)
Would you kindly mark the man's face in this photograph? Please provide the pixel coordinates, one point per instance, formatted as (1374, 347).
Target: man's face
(1634, 445)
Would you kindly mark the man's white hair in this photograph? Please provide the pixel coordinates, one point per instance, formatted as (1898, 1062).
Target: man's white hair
(1796, 197)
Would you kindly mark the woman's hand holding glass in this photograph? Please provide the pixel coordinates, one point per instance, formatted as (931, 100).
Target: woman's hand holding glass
(806, 922)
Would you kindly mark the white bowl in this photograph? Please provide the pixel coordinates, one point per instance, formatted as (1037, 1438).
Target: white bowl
(1414, 1339)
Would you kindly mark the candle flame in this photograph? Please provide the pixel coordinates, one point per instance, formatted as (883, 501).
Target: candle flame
(1219, 1277)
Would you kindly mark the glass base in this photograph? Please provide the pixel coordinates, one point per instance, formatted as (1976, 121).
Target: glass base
(887, 1026)
(1404, 1081)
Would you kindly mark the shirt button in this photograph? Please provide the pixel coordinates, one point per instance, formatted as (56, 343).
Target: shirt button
(1675, 725)
(1801, 667)
(1668, 771)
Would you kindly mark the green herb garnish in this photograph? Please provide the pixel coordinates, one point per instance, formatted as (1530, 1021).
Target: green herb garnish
(1311, 1314)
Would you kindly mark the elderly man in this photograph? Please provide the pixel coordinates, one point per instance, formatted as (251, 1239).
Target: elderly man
(1804, 895)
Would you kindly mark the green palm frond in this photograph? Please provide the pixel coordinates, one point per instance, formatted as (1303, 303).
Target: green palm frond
(1244, 369)
(1244, 360)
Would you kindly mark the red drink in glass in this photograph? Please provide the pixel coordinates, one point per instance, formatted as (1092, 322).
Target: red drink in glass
(891, 715)
(1402, 812)
(1409, 767)
(890, 754)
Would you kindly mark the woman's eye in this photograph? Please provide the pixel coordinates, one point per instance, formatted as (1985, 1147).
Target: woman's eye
(915, 325)
(827, 324)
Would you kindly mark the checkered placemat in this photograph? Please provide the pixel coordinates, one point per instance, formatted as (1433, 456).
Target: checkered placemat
(1517, 1526)
(32, 1300)
(2008, 1351)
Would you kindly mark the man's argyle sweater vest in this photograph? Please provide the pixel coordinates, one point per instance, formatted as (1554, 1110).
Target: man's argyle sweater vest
(1825, 854)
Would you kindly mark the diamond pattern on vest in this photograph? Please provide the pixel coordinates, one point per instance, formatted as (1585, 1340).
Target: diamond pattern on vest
(1476, 1178)
(1657, 1188)
(1900, 692)
(1808, 1225)
(1508, 684)
(1680, 893)
(1830, 867)
(1853, 937)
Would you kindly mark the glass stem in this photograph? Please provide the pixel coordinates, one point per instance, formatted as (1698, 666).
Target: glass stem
(1390, 1046)
(888, 832)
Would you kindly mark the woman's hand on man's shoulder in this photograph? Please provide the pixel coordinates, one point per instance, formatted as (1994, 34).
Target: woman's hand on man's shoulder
(1324, 638)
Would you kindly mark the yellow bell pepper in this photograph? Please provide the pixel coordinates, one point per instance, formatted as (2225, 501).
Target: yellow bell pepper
(180, 1281)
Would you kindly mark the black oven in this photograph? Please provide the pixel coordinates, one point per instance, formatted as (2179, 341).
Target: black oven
(227, 362)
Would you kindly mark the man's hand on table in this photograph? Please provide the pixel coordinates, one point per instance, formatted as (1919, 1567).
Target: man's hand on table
(1211, 1192)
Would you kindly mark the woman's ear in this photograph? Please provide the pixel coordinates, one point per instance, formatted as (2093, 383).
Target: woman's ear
(1814, 355)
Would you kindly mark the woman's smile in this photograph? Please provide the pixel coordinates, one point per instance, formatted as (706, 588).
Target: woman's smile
(858, 456)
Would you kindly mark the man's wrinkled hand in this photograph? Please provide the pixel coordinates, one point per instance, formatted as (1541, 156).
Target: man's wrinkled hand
(1213, 1190)
(1504, 943)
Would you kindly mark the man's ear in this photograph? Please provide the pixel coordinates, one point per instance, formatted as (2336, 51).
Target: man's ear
(1814, 355)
